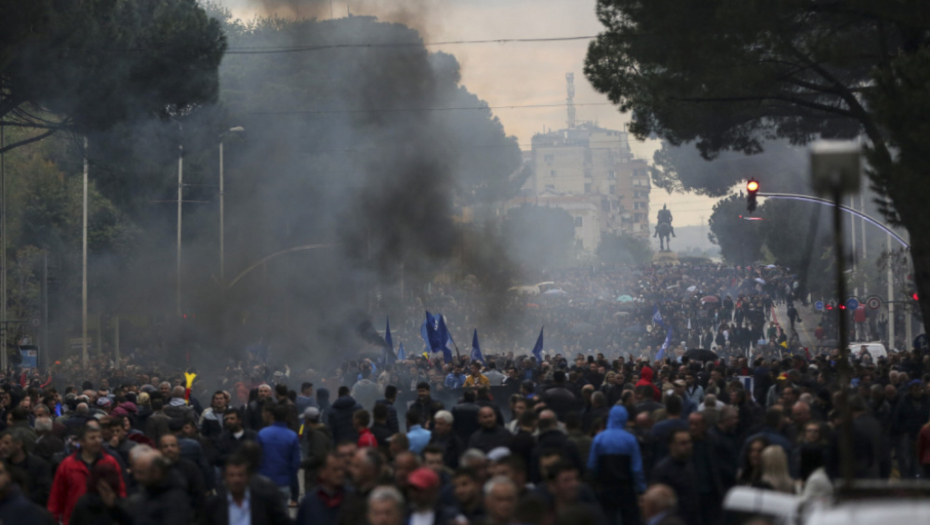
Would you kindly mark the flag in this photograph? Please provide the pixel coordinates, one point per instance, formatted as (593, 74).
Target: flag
(476, 349)
(668, 339)
(657, 316)
(401, 355)
(424, 332)
(389, 347)
(689, 323)
(433, 338)
(537, 350)
(445, 338)
(783, 344)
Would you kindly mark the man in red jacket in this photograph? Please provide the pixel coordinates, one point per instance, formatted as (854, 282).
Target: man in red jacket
(71, 477)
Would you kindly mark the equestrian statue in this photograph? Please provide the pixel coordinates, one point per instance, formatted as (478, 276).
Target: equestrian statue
(664, 229)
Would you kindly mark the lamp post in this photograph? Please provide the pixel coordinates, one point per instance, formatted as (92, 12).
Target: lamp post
(237, 129)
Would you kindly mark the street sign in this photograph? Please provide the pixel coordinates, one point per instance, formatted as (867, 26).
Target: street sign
(818, 306)
(832, 304)
(852, 303)
(921, 343)
(35, 322)
(874, 302)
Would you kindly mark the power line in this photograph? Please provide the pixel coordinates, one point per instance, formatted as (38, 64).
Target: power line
(375, 45)
(411, 110)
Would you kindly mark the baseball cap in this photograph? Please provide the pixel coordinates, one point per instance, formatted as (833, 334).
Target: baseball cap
(312, 414)
(423, 478)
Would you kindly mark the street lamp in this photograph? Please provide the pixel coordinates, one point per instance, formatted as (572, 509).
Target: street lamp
(237, 129)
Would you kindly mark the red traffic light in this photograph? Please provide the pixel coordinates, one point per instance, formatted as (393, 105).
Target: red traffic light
(914, 296)
(752, 186)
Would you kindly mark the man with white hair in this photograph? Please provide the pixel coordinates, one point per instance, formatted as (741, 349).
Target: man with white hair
(444, 437)
(385, 506)
(162, 499)
(500, 500)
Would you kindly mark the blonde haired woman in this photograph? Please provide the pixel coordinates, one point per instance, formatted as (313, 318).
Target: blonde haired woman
(775, 470)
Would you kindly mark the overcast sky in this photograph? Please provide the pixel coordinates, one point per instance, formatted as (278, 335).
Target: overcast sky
(513, 73)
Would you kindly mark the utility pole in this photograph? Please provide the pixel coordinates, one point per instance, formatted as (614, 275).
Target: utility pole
(237, 129)
(43, 356)
(3, 353)
(865, 250)
(180, 207)
(890, 301)
(83, 266)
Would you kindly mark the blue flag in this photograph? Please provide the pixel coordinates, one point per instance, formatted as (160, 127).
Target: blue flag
(445, 338)
(537, 350)
(668, 339)
(476, 349)
(433, 338)
(389, 348)
(401, 355)
(430, 321)
(657, 316)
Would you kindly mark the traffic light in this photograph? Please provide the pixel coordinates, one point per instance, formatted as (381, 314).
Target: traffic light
(752, 187)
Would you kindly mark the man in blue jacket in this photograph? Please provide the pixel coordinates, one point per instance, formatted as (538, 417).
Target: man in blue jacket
(617, 466)
(280, 451)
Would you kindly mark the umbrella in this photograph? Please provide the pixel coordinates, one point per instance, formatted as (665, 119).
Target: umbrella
(700, 354)
(555, 291)
(692, 288)
(710, 299)
(626, 306)
(624, 299)
(622, 314)
(635, 329)
(760, 280)
(770, 266)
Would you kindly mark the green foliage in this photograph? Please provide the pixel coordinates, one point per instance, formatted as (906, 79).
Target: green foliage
(541, 238)
(624, 250)
(740, 241)
(95, 63)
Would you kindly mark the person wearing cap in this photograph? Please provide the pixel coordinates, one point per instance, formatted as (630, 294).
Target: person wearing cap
(687, 404)
(912, 411)
(316, 442)
(423, 491)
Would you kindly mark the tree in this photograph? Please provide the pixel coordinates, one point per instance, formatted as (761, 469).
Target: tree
(624, 249)
(740, 241)
(733, 75)
(88, 65)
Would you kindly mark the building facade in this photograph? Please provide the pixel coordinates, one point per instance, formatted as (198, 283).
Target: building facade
(590, 172)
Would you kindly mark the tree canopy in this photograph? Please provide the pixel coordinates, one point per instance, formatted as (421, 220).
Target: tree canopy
(91, 64)
(736, 74)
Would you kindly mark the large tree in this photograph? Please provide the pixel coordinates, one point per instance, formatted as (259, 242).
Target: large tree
(732, 75)
(88, 65)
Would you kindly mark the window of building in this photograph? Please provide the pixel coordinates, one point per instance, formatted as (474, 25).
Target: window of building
(587, 173)
(612, 189)
(612, 175)
(549, 158)
(587, 187)
(550, 187)
(552, 173)
(579, 222)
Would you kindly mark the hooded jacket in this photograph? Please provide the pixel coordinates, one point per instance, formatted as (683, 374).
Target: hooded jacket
(340, 419)
(613, 448)
(646, 379)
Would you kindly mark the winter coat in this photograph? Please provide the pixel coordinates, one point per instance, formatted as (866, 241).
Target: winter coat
(280, 453)
(70, 484)
(608, 449)
(392, 423)
(340, 419)
(165, 503)
(646, 379)
(487, 440)
(15, 508)
(90, 510)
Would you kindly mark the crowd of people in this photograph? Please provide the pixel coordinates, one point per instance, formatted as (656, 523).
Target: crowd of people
(627, 430)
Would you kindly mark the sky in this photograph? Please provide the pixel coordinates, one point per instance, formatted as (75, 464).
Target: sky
(510, 74)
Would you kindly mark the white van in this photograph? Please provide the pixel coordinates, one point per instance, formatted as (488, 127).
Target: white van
(876, 350)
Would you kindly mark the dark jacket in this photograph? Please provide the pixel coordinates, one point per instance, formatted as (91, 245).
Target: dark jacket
(452, 448)
(465, 419)
(340, 419)
(554, 439)
(484, 402)
(910, 415)
(487, 440)
(193, 481)
(38, 478)
(165, 503)
(427, 410)
(617, 467)
(593, 414)
(15, 508)
(561, 400)
(226, 444)
(382, 433)
(320, 508)
(48, 445)
(90, 510)
(725, 447)
(392, 422)
(266, 505)
(682, 477)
